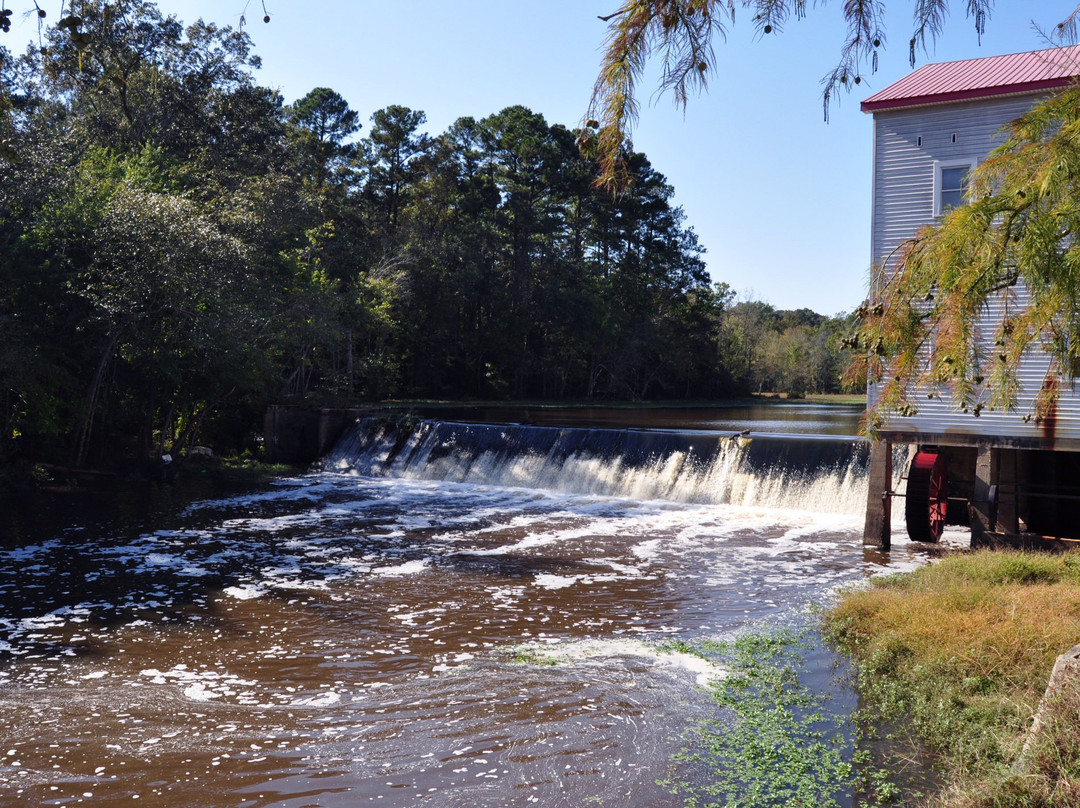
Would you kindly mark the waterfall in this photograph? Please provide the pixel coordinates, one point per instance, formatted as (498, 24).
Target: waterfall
(791, 472)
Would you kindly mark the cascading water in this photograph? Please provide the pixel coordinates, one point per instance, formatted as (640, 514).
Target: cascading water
(823, 474)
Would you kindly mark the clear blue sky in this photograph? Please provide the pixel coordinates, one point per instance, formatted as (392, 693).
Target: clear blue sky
(780, 199)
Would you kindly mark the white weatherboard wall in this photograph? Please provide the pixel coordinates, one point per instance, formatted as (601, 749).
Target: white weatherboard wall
(910, 147)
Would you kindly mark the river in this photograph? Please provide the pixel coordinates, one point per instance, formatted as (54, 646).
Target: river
(447, 613)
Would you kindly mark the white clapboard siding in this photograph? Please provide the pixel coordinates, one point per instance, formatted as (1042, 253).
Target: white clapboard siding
(907, 145)
(904, 170)
(939, 416)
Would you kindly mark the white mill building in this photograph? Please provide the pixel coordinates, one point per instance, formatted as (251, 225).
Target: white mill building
(1000, 473)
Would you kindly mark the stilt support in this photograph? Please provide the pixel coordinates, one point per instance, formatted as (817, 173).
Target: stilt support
(878, 529)
(983, 509)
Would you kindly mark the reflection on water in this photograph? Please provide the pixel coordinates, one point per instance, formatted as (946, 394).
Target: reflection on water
(341, 638)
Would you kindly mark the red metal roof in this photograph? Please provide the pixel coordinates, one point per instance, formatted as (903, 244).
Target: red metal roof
(1013, 74)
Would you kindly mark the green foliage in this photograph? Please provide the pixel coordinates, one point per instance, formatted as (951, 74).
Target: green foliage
(776, 742)
(322, 121)
(247, 468)
(794, 352)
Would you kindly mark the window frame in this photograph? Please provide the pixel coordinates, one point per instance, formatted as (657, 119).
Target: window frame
(941, 166)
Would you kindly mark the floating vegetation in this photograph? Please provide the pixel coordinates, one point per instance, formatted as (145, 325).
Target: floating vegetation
(775, 741)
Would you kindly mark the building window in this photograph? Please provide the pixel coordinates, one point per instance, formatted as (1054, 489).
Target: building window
(950, 183)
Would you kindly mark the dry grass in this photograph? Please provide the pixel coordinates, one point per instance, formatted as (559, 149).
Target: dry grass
(959, 654)
(1050, 777)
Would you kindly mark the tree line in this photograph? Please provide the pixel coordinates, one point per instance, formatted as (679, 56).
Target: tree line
(181, 247)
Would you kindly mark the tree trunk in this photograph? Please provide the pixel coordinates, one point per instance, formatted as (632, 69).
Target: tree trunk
(93, 394)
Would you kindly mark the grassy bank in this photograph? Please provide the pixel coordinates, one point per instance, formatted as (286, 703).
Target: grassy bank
(246, 468)
(956, 657)
(846, 399)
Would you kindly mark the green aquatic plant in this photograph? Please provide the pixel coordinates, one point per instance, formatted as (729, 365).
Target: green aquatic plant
(773, 740)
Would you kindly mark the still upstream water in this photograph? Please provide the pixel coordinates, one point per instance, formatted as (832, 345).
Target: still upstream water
(382, 631)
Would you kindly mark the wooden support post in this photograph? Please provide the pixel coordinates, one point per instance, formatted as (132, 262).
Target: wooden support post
(877, 531)
(1008, 520)
(982, 509)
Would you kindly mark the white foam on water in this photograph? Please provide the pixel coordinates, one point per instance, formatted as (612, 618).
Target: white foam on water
(532, 542)
(597, 651)
(620, 570)
(647, 550)
(550, 581)
(287, 489)
(703, 671)
(408, 568)
(200, 692)
(245, 591)
(412, 619)
(23, 555)
(201, 685)
(326, 699)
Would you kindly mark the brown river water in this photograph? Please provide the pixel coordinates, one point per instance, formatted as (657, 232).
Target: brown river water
(454, 615)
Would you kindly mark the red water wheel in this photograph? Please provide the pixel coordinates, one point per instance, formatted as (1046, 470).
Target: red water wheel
(927, 496)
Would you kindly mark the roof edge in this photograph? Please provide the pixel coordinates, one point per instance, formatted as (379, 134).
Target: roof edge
(968, 95)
